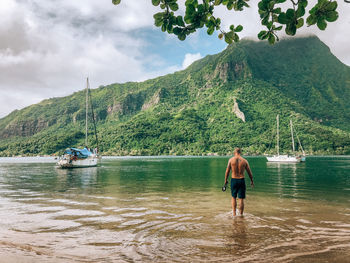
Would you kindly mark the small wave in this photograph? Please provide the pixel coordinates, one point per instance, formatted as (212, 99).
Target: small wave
(102, 219)
(133, 222)
(70, 202)
(78, 212)
(304, 221)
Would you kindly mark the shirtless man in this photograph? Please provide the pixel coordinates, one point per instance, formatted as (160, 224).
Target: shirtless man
(238, 165)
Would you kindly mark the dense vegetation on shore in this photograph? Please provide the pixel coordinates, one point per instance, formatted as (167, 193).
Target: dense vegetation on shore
(197, 111)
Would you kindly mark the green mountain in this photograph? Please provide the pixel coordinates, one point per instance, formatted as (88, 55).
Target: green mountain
(221, 101)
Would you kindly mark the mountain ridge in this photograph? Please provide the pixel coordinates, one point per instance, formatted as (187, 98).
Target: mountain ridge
(192, 111)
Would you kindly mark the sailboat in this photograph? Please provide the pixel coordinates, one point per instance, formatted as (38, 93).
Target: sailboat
(283, 158)
(79, 158)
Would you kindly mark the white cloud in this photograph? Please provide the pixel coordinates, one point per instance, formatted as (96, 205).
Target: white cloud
(336, 36)
(190, 58)
(47, 48)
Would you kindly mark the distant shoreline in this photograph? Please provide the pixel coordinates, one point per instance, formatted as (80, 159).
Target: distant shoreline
(169, 156)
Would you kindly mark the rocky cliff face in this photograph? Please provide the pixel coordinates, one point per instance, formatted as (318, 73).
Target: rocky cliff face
(237, 111)
(152, 102)
(24, 128)
(232, 71)
(131, 103)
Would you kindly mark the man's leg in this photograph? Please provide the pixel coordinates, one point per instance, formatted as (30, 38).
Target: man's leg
(234, 206)
(241, 205)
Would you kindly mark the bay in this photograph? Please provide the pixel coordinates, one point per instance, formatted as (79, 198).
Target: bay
(172, 209)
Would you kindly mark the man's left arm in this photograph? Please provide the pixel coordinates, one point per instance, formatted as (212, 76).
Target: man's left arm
(250, 174)
(228, 169)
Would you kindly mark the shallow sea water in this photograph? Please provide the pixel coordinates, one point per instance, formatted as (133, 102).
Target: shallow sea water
(172, 209)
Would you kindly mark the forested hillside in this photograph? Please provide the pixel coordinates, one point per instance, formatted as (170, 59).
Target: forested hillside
(221, 101)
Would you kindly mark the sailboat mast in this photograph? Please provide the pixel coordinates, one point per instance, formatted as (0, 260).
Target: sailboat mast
(300, 143)
(291, 131)
(278, 136)
(86, 110)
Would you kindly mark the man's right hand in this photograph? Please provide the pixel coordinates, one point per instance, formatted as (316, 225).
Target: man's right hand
(252, 184)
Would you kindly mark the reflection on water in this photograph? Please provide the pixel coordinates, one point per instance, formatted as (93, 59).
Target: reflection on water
(173, 209)
(76, 178)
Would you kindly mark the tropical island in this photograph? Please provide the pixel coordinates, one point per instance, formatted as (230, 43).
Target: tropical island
(219, 102)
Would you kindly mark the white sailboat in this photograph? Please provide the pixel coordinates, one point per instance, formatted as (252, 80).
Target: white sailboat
(79, 158)
(283, 158)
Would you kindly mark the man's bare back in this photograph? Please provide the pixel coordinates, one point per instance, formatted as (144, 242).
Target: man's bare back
(238, 165)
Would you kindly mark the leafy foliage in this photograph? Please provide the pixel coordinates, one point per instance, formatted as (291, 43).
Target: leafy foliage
(273, 17)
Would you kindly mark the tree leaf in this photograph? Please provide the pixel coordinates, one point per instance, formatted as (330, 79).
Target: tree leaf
(155, 2)
(174, 6)
(239, 28)
(182, 36)
(180, 21)
(271, 39)
(290, 14)
(262, 34)
(116, 2)
(262, 6)
(158, 15)
(282, 18)
(278, 28)
(265, 36)
(210, 30)
(190, 10)
(235, 37)
(300, 11)
(291, 29)
(311, 20)
(169, 28)
(229, 37)
(164, 27)
(177, 30)
(331, 6)
(269, 25)
(265, 21)
(277, 10)
(321, 24)
(158, 22)
(332, 16)
(300, 22)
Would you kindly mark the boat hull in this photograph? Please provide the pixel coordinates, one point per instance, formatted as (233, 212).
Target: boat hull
(68, 162)
(283, 159)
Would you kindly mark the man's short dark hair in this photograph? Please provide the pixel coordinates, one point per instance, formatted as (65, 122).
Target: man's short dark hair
(238, 150)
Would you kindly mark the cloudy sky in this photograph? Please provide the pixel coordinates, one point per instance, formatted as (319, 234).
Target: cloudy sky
(49, 47)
